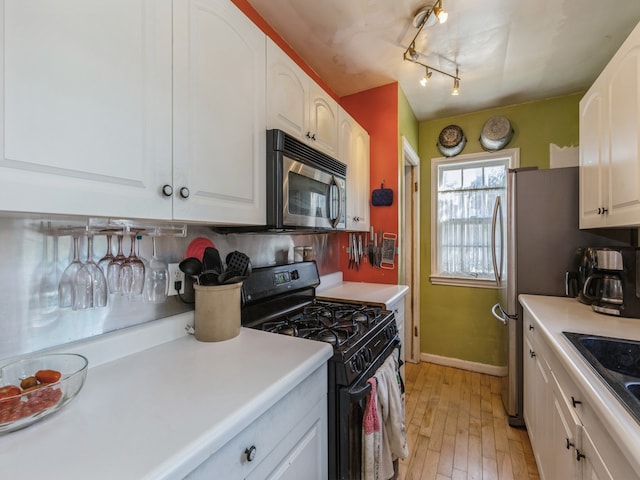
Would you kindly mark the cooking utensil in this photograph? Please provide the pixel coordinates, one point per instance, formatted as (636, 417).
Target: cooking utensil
(355, 252)
(209, 278)
(239, 262)
(451, 141)
(496, 133)
(197, 247)
(211, 260)
(191, 266)
(371, 248)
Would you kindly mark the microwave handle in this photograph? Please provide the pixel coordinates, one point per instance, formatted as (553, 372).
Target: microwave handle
(336, 220)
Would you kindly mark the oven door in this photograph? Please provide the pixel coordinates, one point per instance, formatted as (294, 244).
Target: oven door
(351, 406)
(311, 197)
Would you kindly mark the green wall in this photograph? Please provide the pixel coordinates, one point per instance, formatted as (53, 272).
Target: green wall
(408, 125)
(456, 322)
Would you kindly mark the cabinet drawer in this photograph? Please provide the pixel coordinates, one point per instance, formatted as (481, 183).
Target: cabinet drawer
(274, 433)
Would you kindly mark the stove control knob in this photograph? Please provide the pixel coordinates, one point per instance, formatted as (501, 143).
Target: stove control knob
(353, 366)
(359, 362)
(368, 355)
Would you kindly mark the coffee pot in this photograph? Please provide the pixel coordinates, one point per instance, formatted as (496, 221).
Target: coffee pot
(607, 280)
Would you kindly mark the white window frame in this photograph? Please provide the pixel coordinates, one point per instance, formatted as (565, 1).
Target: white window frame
(513, 156)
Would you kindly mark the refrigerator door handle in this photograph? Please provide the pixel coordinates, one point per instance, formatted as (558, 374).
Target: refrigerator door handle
(502, 316)
(494, 257)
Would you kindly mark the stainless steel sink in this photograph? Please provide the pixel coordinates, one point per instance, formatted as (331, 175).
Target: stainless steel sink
(617, 363)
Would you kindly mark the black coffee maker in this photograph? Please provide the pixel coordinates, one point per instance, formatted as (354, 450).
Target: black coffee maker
(607, 280)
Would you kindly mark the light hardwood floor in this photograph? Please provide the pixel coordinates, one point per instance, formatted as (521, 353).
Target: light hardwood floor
(457, 428)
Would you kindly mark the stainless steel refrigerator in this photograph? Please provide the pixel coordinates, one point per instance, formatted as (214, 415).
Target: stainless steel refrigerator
(535, 242)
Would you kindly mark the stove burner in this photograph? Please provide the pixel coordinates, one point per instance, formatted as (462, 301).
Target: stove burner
(360, 317)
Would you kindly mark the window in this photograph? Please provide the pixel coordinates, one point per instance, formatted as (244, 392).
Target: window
(464, 191)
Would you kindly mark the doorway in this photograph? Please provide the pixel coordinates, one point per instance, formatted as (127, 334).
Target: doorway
(410, 248)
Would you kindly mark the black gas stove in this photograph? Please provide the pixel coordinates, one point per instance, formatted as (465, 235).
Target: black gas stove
(282, 300)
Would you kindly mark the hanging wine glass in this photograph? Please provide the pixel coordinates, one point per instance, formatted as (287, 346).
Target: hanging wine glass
(103, 263)
(113, 269)
(157, 278)
(132, 272)
(66, 287)
(90, 283)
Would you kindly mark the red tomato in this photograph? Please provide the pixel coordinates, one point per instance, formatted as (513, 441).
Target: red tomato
(9, 391)
(48, 376)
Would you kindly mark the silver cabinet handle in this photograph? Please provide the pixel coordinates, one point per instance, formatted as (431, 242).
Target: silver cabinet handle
(184, 192)
(167, 190)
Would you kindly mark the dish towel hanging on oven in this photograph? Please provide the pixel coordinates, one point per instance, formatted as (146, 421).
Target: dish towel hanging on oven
(381, 448)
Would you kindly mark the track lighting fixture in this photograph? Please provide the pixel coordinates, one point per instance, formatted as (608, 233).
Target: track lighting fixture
(427, 16)
(425, 79)
(456, 85)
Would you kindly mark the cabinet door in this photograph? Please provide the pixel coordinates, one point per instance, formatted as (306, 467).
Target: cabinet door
(86, 124)
(323, 120)
(354, 151)
(565, 436)
(624, 143)
(593, 466)
(286, 93)
(218, 114)
(593, 156)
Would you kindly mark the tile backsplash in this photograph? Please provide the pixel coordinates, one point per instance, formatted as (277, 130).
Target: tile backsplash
(33, 258)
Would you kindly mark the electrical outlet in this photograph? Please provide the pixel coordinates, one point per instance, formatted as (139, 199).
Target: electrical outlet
(175, 275)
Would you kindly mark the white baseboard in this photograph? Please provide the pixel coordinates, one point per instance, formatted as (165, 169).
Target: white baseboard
(494, 370)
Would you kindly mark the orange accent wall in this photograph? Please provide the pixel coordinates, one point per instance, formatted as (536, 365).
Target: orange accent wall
(256, 18)
(377, 111)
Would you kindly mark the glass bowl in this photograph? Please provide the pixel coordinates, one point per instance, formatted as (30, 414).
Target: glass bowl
(21, 409)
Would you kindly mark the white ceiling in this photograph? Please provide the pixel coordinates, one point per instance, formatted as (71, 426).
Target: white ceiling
(507, 51)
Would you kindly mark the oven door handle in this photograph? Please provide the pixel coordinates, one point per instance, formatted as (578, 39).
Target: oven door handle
(356, 393)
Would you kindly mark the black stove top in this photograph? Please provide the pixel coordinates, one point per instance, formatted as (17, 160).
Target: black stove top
(281, 299)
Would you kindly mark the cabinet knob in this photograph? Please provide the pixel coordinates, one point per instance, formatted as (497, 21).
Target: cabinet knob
(308, 135)
(250, 453)
(184, 192)
(313, 137)
(531, 327)
(167, 190)
(575, 402)
(604, 211)
(569, 444)
(579, 455)
(532, 353)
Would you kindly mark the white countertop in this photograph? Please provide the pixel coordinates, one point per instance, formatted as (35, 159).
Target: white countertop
(558, 314)
(371, 293)
(159, 412)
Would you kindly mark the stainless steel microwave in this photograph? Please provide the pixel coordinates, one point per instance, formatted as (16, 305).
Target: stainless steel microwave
(305, 188)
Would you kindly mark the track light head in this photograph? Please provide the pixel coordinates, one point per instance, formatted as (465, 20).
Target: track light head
(413, 55)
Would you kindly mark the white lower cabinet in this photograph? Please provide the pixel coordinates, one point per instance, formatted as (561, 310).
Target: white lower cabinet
(568, 440)
(288, 441)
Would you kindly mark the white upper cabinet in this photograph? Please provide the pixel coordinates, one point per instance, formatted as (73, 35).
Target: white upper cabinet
(354, 151)
(86, 120)
(610, 142)
(297, 105)
(218, 114)
(133, 108)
